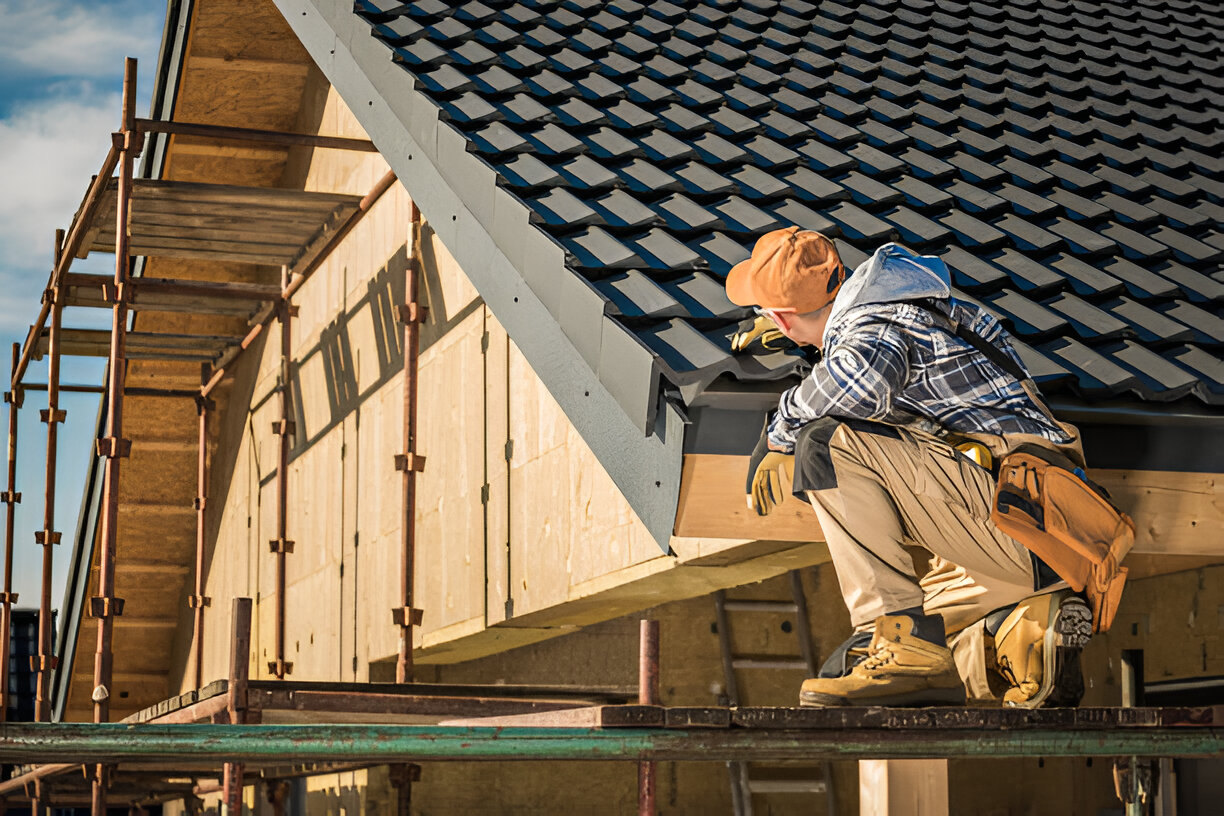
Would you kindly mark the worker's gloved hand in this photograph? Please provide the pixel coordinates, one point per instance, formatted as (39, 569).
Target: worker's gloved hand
(770, 481)
(759, 334)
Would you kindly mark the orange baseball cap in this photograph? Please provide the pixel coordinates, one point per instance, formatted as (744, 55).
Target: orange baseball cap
(788, 269)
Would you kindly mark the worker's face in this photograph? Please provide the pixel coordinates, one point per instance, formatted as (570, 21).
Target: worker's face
(805, 329)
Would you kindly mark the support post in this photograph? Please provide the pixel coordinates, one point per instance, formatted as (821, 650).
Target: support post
(105, 606)
(648, 694)
(198, 600)
(239, 674)
(402, 777)
(409, 463)
(11, 498)
(1135, 779)
(48, 537)
(284, 428)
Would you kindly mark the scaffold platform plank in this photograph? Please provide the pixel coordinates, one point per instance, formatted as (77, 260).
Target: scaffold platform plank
(166, 295)
(140, 345)
(257, 225)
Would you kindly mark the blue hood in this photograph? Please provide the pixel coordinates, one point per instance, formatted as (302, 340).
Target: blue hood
(892, 275)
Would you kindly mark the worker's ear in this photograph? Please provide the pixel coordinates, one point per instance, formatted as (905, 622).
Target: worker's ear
(783, 318)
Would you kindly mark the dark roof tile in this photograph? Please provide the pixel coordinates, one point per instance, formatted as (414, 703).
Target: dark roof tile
(620, 210)
(1207, 367)
(1096, 375)
(916, 230)
(1063, 160)
(1027, 318)
(660, 250)
(969, 271)
(1089, 322)
(1149, 325)
(594, 248)
(703, 297)
(1159, 378)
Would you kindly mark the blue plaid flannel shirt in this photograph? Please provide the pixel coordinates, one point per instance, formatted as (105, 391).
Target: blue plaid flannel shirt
(891, 363)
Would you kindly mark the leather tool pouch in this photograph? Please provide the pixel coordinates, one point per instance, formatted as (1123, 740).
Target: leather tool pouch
(1042, 500)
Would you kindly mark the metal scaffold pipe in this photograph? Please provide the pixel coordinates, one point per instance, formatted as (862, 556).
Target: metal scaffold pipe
(198, 601)
(10, 497)
(48, 537)
(281, 744)
(409, 463)
(285, 427)
(648, 694)
(105, 606)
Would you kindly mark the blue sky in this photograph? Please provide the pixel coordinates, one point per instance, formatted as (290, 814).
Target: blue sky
(61, 73)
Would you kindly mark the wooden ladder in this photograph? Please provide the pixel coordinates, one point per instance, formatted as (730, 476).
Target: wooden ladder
(744, 785)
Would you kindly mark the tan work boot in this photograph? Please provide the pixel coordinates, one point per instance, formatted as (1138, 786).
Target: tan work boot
(900, 670)
(1037, 648)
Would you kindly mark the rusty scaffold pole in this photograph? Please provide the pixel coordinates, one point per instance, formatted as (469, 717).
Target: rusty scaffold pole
(48, 537)
(648, 694)
(236, 697)
(10, 497)
(285, 427)
(198, 601)
(409, 463)
(104, 606)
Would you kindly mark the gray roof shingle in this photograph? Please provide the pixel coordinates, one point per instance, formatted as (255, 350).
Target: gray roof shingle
(1063, 157)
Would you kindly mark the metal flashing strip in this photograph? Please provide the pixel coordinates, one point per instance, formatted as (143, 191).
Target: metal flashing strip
(513, 265)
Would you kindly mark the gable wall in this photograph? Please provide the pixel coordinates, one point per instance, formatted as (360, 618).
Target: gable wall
(568, 531)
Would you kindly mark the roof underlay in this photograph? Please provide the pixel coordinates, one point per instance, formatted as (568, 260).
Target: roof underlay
(1063, 157)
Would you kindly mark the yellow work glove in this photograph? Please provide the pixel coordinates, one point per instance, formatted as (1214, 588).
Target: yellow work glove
(770, 482)
(761, 331)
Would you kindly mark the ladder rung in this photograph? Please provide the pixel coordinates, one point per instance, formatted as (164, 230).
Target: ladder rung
(787, 607)
(765, 786)
(770, 663)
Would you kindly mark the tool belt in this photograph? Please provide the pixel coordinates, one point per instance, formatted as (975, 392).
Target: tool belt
(1047, 504)
(1044, 500)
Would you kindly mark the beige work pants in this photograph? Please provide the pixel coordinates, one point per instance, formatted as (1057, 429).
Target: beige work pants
(916, 490)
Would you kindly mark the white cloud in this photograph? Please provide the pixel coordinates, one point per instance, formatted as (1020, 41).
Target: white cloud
(54, 38)
(48, 152)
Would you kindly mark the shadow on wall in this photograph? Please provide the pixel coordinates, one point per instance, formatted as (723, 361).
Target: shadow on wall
(379, 309)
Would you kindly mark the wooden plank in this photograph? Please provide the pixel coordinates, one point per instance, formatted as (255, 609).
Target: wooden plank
(189, 192)
(248, 236)
(587, 694)
(283, 705)
(697, 717)
(184, 287)
(951, 717)
(713, 505)
(626, 716)
(219, 215)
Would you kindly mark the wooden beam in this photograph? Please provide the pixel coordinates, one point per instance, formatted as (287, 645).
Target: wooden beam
(1175, 513)
(713, 505)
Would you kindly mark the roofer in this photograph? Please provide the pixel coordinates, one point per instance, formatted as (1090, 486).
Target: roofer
(879, 428)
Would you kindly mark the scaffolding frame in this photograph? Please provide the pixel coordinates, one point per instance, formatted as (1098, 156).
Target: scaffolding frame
(321, 227)
(223, 724)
